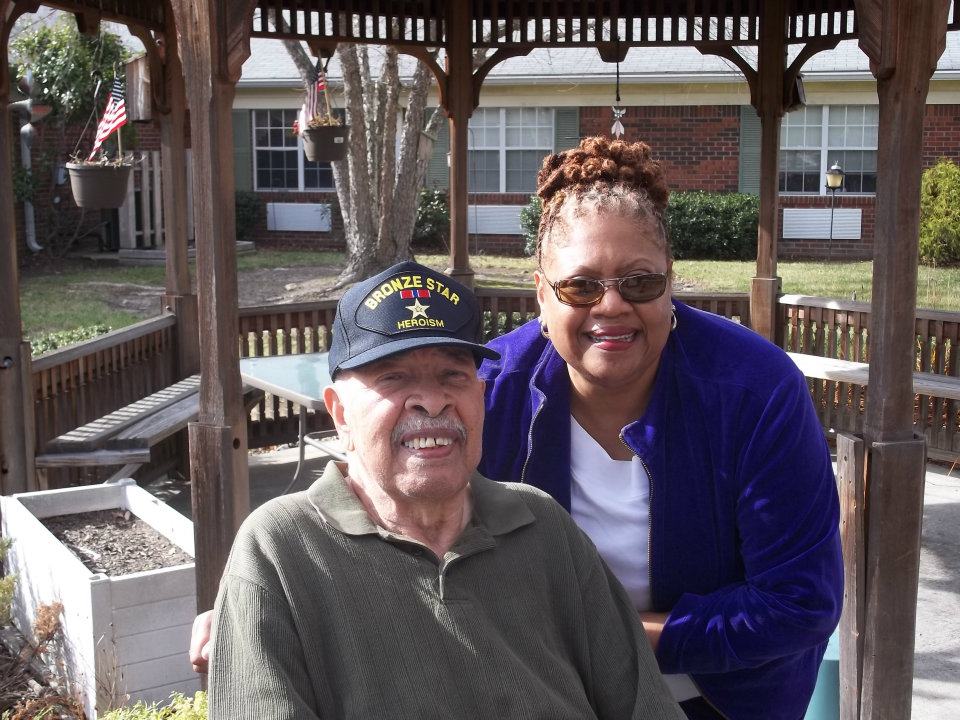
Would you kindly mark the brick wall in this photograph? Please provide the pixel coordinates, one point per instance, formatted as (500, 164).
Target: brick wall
(698, 145)
(941, 133)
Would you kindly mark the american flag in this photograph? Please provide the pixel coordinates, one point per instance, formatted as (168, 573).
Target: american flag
(311, 105)
(114, 117)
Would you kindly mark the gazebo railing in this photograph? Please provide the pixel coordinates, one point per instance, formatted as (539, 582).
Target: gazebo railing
(841, 329)
(80, 383)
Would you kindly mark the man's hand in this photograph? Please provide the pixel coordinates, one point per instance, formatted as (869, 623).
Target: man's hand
(200, 641)
(652, 623)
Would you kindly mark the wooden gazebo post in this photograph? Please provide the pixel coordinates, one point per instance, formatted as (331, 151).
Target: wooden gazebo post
(903, 41)
(769, 102)
(169, 108)
(460, 105)
(16, 455)
(214, 42)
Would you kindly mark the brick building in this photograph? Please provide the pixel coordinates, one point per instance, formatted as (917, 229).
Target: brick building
(692, 109)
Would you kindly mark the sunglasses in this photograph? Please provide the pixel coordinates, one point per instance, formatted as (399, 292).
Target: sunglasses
(585, 291)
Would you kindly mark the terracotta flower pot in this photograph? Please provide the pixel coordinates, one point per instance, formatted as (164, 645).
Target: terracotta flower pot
(326, 143)
(99, 186)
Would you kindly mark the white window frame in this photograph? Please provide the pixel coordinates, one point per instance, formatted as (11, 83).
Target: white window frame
(825, 153)
(502, 148)
(300, 159)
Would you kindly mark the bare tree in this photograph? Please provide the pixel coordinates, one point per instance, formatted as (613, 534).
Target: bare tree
(378, 184)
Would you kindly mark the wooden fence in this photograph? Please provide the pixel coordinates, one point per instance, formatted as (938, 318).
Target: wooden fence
(80, 383)
(841, 329)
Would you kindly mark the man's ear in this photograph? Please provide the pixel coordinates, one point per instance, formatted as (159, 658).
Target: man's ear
(334, 404)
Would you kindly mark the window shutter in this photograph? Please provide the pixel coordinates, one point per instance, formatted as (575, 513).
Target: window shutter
(749, 150)
(242, 150)
(566, 128)
(438, 173)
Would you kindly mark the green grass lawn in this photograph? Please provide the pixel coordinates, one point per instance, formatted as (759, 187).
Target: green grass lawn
(76, 294)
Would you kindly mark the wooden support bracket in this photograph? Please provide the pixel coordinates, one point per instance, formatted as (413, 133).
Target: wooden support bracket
(428, 58)
(728, 52)
(504, 53)
(88, 21)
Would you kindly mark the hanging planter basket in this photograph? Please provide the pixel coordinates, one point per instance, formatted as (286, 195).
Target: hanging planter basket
(98, 186)
(327, 143)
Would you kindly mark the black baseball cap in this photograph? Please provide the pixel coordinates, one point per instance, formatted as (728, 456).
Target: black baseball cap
(407, 306)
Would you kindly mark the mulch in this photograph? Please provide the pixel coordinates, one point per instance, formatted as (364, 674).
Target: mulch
(115, 542)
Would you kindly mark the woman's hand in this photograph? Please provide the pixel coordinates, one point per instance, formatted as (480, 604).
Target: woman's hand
(652, 623)
(200, 641)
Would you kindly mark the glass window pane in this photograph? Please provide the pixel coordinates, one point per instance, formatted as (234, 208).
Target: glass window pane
(854, 137)
(262, 137)
(870, 136)
(484, 166)
(835, 136)
(276, 138)
(795, 137)
(855, 115)
(514, 137)
(814, 115)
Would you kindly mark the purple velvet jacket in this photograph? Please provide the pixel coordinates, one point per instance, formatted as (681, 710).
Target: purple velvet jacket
(744, 517)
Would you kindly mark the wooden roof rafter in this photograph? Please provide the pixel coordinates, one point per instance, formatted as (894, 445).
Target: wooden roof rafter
(148, 14)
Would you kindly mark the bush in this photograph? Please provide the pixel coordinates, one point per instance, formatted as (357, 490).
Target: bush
(66, 65)
(529, 223)
(940, 214)
(431, 231)
(7, 584)
(180, 708)
(62, 338)
(248, 213)
(710, 226)
(713, 226)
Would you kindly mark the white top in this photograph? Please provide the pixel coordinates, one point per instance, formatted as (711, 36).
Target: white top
(610, 502)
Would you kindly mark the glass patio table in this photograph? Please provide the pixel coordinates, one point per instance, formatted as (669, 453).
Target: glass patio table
(299, 379)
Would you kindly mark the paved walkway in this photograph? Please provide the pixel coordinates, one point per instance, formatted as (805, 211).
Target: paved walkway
(936, 690)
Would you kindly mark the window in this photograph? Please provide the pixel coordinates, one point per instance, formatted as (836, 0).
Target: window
(279, 162)
(507, 146)
(813, 138)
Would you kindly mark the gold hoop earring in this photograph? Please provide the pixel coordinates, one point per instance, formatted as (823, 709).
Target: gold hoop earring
(673, 318)
(543, 329)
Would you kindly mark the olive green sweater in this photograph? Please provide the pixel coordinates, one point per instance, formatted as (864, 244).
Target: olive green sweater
(322, 614)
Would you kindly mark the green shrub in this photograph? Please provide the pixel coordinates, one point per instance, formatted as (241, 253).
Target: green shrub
(7, 583)
(249, 213)
(707, 226)
(529, 223)
(66, 65)
(55, 340)
(940, 214)
(431, 231)
(713, 226)
(180, 708)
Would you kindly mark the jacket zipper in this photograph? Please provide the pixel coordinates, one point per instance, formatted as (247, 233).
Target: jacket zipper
(646, 469)
(533, 420)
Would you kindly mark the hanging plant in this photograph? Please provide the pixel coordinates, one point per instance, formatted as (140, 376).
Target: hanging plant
(324, 136)
(100, 181)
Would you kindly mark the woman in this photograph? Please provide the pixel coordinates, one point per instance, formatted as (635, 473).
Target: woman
(685, 445)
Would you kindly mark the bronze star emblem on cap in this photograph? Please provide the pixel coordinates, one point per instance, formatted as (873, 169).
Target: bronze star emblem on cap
(417, 309)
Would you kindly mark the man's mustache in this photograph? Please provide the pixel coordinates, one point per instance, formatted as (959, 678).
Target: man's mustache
(423, 425)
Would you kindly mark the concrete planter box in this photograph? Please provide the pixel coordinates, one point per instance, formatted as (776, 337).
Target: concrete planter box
(123, 636)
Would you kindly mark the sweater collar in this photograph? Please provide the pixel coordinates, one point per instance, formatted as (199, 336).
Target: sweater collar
(496, 507)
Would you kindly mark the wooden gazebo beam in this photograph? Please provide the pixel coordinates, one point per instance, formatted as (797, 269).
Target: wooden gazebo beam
(214, 42)
(16, 416)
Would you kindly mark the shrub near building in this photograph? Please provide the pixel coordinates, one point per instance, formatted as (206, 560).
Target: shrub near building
(940, 214)
(702, 225)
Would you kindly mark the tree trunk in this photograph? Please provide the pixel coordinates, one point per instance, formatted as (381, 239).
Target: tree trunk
(377, 185)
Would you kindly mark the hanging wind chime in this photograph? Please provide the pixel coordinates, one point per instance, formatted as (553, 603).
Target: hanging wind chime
(618, 112)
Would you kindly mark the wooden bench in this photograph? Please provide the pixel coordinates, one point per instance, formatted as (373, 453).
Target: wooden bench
(125, 436)
(847, 371)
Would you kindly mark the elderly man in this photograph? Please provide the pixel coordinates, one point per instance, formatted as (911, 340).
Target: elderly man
(405, 585)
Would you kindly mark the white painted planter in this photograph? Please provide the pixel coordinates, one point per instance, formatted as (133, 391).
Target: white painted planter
(124, 636)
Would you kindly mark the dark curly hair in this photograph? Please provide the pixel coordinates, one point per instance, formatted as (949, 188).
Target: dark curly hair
(601, 175)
